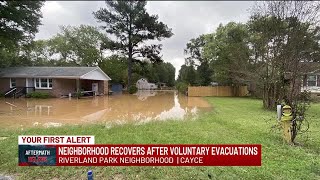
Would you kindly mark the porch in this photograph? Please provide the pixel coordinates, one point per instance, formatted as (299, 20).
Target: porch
(76, 87)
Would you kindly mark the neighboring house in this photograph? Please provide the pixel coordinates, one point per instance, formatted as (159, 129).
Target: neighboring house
(57, 81)
(162, 85)
(311, 82)
(214, 84)
(144, 84)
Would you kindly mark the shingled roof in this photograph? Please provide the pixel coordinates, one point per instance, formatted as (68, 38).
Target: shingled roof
(53, 72)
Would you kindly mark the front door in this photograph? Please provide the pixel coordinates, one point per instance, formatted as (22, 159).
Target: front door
(29, 85)
(95, 87)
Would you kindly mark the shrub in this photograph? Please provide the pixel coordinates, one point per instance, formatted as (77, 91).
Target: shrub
(39, 95)
(132, 89)
(182, 87)
(1, 94)
(78, 94)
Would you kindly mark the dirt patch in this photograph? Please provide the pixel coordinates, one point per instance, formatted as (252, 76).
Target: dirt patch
(117, 177)
(5, 177)
(3, 138)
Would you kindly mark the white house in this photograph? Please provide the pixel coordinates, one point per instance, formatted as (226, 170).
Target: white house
(311, 79)
(144, 84)
(311, 82)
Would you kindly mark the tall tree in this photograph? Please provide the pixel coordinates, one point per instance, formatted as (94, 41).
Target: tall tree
(228, 52)
(116, 68)
(40, 53)
(194, 50)
(132, 25)
(187, 74)
(171, 73)
(204, 72)
(284, 49)
(19, 21)
(79, 45)
(195, 57)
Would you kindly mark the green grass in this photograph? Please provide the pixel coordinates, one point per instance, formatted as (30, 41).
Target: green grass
(233, 120)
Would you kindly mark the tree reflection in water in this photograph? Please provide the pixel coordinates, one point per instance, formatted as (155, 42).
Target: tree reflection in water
(142, 107)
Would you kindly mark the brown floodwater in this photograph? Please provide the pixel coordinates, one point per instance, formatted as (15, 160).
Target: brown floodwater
(142, 107)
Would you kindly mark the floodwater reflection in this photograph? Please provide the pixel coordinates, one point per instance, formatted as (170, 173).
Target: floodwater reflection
(142, 107)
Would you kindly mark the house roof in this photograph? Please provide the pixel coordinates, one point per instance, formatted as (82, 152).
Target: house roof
(53, 72)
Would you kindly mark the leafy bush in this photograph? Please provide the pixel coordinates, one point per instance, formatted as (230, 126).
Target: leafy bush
(39, 95)
(132, 89)
(1, 95)
(182, 87)
(78, 94)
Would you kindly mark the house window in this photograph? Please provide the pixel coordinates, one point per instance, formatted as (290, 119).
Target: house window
(50, 83)
(312, 80)
(12, 82)
(37, 83)
(43, 83)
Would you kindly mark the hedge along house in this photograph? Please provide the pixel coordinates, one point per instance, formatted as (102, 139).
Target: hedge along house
(57, 81)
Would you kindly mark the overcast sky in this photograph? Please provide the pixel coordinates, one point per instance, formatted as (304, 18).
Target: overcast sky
(187, 19)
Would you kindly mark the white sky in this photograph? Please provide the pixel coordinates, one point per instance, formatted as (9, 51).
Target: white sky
(188, 19)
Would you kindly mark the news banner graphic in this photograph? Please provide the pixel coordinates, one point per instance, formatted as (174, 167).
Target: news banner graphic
(81, 151)
(41, 150)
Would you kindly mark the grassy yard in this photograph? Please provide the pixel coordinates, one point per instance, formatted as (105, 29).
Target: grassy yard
(233, 120)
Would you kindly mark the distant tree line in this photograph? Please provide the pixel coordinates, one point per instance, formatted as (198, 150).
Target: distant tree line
(82, 46)
(116, 67)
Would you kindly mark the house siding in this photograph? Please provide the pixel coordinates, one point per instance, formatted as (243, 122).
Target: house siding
(20, 82)
(63, 87)
(4, 84)
(59, 86)
(106, 87)
(103, 87)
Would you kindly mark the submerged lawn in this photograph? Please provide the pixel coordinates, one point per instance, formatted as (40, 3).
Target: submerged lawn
(233, 120)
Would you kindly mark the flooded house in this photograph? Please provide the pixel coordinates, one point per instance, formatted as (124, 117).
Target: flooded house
(57, 81)
(143, 84)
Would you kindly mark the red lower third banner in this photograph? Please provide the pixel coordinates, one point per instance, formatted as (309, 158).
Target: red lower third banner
(158, 155)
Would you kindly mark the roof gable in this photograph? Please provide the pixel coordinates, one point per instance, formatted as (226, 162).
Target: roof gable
(53, 72)
(96, 74)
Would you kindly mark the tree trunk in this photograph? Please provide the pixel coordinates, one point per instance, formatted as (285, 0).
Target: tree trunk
(129, 67)
(130, 49)
(269, 97)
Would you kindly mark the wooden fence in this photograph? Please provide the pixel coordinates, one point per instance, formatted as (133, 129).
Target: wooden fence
(217, 91)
